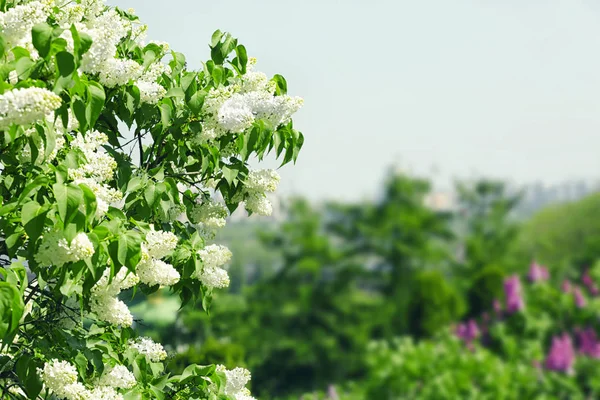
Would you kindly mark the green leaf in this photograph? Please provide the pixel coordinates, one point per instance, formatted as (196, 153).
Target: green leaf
(95, 104)
(90, 201)
(242, 59)
(229, 173)
(11, 310)
(41, 36)
(134, 184)
(216, 38)
(24, 67)
(79, 109)
(150, 194)
(165, 115)
(129, 249)
(281, 83)
(65, 63)
(68, 199)
(197, 101)
(2, 44)
(33, 217)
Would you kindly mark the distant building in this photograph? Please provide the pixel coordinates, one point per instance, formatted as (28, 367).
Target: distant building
(441, 201)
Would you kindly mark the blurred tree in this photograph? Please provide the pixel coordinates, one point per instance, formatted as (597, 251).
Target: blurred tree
(566, 237)
(302, 327)
(434, 304)
(394, 238)
(487, 230)
(485, 208)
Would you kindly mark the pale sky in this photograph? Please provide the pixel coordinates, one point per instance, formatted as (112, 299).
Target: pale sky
(501, 88)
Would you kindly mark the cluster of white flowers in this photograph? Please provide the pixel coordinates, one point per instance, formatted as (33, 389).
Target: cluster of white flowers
(258, 184)
(155, 352)
(118, 377)
(213, 257)
(99, 167)
(104, 301)
(118, 72)
(59, 375)
(210, 214)
(106, 30)
(157, 272)
(151, 270)
(56, 250)
(61, 378)
(235, 382)
(235, 108)
(26, 105)
(17, 22)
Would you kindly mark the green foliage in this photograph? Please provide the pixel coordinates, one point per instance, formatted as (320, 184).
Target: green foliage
(434, 304)
(445, 369)
(485, 287)
(564, 236)
(400, 234)
(489, 232)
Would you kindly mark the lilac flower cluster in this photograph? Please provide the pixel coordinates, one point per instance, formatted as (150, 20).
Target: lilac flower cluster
(562, 353)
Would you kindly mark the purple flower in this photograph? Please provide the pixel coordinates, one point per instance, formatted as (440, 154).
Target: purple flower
(537, 273)
(580, 301)
(566, 286)
(467, 331)
(561, 355)
(588, 343)
(513, 293)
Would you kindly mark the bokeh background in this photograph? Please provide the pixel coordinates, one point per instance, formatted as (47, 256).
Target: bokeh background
(439, 235)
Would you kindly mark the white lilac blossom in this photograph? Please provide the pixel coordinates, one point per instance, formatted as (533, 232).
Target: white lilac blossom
(234, 108)
(150, 92)
(151, 270)
(147, 347)
(61, 378)
(160, 243)
(16, 23)
(259, 204)
(26, 105)
(257, 184)
(100, 166)
(210, 214)
(56, 250)
(235, 381)
(215, 255)
(213, 277)
(104, 302)
(123, 279)
(157, 272)
(110, 309)
(92, 8)
(69, 14)
(104, 393)
(117, 377)
(106, 30)
(118, 72)
(263, 180)
(235, 115)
